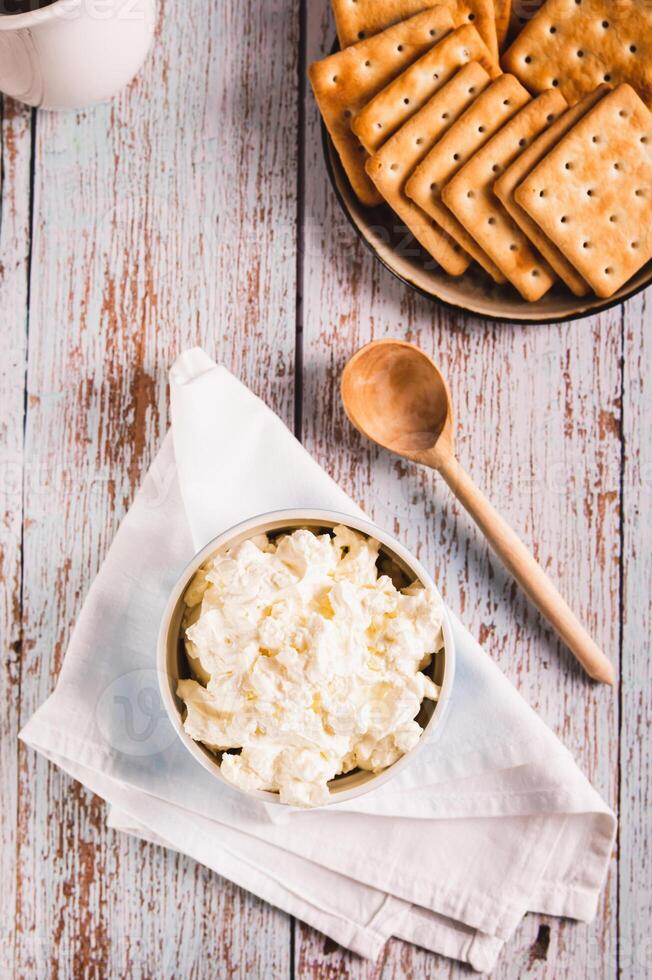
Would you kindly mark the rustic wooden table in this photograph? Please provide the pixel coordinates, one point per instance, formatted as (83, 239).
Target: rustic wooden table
(195, 209)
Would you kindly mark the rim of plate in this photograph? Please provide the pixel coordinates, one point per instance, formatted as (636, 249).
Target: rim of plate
(585, 306)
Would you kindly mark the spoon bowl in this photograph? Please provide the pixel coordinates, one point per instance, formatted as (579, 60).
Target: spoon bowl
(397, 397)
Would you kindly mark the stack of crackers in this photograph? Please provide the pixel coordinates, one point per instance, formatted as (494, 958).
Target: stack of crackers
(541, 174)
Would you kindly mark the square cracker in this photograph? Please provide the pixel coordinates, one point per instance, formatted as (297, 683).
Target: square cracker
(345, 81)
(578, 45)
(592, 194)
(394, 162)
(358, 19)
(494, 107)
(509, 180)
(470, 197)
(399, 100)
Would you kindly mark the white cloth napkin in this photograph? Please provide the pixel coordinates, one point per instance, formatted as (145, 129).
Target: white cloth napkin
(491, 820)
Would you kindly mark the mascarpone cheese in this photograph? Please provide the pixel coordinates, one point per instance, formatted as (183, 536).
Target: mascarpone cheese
(307, 659)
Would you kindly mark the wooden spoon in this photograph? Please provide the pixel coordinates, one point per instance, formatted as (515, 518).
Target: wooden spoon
(396, 396)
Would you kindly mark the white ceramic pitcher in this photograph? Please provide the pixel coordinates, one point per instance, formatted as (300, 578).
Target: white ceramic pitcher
(73, 53)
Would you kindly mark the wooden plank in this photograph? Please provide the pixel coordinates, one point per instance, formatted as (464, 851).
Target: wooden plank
(635, 907)
(15, 153)
(539, 430)
(163, 219)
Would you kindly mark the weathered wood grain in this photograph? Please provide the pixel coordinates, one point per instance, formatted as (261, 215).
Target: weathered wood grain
(635, 838)
(169, 217)
(162, 219)
(14, 272)
(539, 429)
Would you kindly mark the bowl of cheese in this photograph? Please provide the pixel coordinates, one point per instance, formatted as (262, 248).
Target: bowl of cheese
(305, 657)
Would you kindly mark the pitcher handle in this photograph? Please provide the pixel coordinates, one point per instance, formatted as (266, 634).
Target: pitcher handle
(19, 73)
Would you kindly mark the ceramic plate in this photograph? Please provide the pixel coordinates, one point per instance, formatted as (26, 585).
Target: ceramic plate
(474, 292)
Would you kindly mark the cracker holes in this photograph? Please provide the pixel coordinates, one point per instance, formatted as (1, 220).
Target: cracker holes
(617, 166)
(471, 17)
(334, 79)
(399, 47)
(495, 167)
(347, 113)
(613, 218)
(555, 83)
(634, 245)
(589, 192)
(361, 35)
(522, 141)
(568, 165)
(605, 25)
(550, 118)
(445, 115)
(542, 193)
(580, 53)
(456, 156)
(406, 101)
(472, 90)
(470, 194)
(586, 244)
(379, 125)
(528, 59)
(564, 219)
(622, 113)
(432, 32)
(513, 247)
(481, 129)
(535, 273)
(644, 139)
(367, 64)
(595, 139)
(633, 49)
(606, 77)
(608, 271)
(433, 187)
(393, 166)
(491, 220)
(436, 77)
(552, 29)
(506, 101)
(639, 192)
(419, 140)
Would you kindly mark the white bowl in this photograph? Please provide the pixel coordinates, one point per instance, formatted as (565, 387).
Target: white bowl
(172, 663)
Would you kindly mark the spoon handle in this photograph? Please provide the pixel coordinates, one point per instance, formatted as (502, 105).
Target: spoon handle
(527, 571)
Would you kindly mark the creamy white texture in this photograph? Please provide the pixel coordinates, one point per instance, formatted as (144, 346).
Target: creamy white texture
(308, 660)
